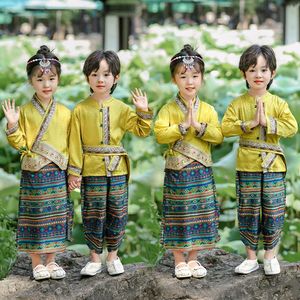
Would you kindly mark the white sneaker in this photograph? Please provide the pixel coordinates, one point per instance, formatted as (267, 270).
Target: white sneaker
(114, 267)
(271, 266)
(247, 266)
(91, 269)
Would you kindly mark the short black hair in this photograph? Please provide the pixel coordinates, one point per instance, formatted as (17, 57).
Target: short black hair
(250, 55)
(92, 63)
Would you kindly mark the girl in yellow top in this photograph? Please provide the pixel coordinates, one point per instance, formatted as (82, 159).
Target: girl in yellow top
(260, 119)
(96, 153)
(189, 127)
(39, 130)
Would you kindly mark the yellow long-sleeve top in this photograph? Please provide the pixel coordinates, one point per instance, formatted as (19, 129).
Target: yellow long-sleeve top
(96, 134)
(41, 135)
(259, 147)
(190, 145)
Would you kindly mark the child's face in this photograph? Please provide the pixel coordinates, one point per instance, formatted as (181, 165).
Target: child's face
(259, 76)
(102, 80)
(188, 82)
(44, 84)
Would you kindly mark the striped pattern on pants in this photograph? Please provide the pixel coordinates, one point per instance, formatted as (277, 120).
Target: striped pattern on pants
(261, 207)
(104, 211)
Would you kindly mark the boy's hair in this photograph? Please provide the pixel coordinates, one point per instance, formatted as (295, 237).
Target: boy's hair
(250, 55)
(45, 60)
(92, 63)
(185, 53)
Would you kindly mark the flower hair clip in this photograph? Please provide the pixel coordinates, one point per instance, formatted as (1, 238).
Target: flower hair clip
(188, 60)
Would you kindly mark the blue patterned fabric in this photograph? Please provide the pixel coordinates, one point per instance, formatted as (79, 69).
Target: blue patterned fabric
(190, 209)
(261, 207)
(45, 211)
(104, 211)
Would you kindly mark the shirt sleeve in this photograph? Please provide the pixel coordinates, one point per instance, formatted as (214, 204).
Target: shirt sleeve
(139, 122)
(211, 132)
(164, 131)
(75, 146)
(232, 125)
(284, 125)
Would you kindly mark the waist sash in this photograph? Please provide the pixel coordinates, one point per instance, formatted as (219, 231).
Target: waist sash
(112, 156)
(187, 154)
(269, 151)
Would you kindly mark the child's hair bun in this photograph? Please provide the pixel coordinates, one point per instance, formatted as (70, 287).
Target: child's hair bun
(187, 47)
(43, 50)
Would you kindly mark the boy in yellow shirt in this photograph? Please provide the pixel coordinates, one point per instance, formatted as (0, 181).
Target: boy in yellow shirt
(260, 119)
(96, 154)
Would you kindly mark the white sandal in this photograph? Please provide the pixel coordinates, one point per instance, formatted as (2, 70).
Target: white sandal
(56, 272)
(198, 271)
(182, 271)
(40, 272)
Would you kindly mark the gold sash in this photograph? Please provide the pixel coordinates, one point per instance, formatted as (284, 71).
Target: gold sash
(269, 151)
(187, 154)
(112, 156)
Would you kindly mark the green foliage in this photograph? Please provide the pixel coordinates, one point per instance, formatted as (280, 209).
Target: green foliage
(146, 66)
(7, 242)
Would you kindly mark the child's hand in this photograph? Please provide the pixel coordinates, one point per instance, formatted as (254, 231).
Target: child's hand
(140, 100)
(188, 117)
(262, 116)
(256, 120)
(194, 121)
(73, 182)
(12, 113)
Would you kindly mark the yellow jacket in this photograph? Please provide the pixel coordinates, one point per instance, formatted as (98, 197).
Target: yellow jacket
(259, 147)
(192, 145)
(96, 134)
(41, 135)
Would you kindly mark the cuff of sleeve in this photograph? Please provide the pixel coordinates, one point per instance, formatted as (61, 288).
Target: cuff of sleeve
(271, 125)
(74, 171)
(245, 126)
(146, 115)
(182, 130)
(12, 129)
(202, 130)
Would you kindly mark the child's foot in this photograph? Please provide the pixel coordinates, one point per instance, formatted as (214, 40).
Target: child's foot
(40, 272)
(56, 272)
(197, 270)
(114, 267)
(247, 266)
(91, 269)
(271, 266)
(182, 270)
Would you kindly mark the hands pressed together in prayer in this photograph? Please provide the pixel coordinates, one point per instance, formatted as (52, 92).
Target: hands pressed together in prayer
(190, 119)
(260, 117)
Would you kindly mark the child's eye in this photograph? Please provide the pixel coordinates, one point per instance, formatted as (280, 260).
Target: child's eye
(52, 78)
(94, 74)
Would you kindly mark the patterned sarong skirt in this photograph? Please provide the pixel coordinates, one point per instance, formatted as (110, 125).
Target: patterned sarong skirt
(190, 209)
(45, 211)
